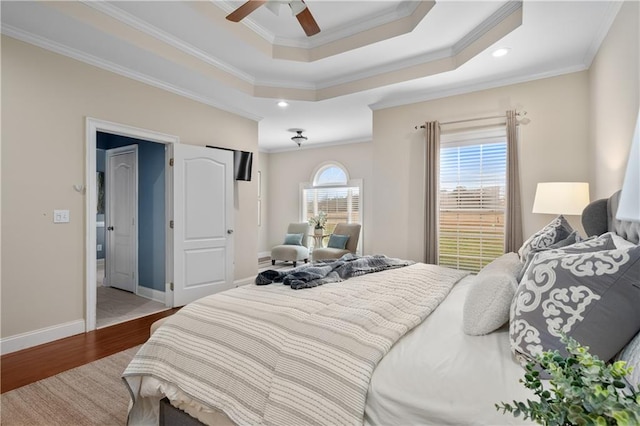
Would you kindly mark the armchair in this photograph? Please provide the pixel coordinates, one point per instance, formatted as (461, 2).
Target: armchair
(351, 231)
(294, 247)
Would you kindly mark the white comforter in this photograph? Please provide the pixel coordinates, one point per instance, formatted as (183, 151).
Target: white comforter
(437, 375)
(273, 355)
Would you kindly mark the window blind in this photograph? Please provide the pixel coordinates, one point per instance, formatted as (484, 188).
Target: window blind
(341, 204)
(472, 201)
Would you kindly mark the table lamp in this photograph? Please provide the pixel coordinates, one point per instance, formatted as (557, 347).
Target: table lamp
(567, 198)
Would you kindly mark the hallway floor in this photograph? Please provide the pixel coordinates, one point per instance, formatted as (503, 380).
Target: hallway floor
(115, 306)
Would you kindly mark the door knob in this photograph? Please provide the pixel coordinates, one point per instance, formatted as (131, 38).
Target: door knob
(110, 228)
(229, 231)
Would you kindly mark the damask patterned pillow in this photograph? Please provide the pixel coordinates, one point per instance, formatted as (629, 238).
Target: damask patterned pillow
(603, 242)
(592, 297)
(573, 238)
(558, 230)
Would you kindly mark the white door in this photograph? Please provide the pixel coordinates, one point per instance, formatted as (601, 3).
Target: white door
(203, 222)
(121, 190)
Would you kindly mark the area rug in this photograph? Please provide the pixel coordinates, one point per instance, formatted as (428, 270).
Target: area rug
(93, 394)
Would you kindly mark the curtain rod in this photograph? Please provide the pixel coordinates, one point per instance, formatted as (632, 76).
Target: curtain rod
(473, 119)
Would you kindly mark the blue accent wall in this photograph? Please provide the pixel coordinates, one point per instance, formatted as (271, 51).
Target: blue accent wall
(151, 207)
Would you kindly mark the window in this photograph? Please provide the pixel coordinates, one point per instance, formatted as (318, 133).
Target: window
(472, 198)
(331, 191)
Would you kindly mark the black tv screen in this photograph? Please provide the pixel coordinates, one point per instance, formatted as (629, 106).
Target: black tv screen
(242, 161)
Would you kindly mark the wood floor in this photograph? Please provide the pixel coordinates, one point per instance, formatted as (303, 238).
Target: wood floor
(33, 364)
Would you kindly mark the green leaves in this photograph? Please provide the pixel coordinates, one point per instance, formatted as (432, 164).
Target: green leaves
(584, 390)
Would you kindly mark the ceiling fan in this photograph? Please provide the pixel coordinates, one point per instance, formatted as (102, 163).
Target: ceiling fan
(298, 7)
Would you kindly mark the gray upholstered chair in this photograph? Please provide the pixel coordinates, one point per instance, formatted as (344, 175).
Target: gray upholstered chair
(293, 248)
(352, 230)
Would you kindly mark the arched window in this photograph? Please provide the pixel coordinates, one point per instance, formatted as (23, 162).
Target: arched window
(332, 191)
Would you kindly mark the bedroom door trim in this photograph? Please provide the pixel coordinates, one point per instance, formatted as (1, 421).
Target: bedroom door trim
(92, 127)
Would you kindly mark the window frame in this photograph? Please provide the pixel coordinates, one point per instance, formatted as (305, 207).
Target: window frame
(349, 183)
(469, 138)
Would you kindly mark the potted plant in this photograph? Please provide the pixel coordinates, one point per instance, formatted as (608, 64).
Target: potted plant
(584, 390)
(318, 222)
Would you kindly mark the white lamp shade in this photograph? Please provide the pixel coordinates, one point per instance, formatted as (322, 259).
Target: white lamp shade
(629, 206)
(568, 198)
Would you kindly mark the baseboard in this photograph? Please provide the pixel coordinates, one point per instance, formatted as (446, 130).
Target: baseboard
(39, 337)
(151, 293)
(263, 256)
(244, 281)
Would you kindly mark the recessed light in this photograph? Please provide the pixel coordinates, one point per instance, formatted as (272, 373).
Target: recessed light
(500, 52)
(283, 104)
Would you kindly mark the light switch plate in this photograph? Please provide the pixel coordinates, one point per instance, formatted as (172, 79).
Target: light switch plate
(61, 216)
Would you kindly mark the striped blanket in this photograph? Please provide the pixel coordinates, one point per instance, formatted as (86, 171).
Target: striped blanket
(271, 356)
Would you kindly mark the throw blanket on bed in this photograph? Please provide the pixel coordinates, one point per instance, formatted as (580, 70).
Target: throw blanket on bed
(330, 271)
(266, 355)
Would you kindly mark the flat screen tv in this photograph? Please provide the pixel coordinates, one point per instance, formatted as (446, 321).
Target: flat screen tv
(242, 162)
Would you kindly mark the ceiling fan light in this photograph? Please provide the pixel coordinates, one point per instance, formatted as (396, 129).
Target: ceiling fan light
(297, 6)
(274, 7)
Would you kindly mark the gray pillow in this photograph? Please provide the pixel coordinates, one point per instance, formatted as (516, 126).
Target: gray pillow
(486, 307)
(557, 230)
(592, 297)
(603, 242)
(293, 239)
(338, 241)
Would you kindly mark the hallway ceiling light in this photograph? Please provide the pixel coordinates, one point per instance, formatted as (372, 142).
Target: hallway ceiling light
(299, 138)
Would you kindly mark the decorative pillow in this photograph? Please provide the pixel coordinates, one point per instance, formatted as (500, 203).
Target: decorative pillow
(556, 231)
(486, 307)
(338, 241)
(631, 355)
(603, 242)
(293, 239)
(592, 297)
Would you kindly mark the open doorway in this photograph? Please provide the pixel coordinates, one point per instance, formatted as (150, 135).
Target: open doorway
(198, 198)
(153, 190)
(130, 240)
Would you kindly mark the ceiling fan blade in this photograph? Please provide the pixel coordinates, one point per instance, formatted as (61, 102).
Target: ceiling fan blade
(243, 11)
(308, 23)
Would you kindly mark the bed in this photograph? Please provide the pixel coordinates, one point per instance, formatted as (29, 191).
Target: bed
(385, 348)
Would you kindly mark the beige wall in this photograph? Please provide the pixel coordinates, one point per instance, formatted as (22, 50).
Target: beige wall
(45, 100)
(553, 147)
(614, 87)
(288, 169)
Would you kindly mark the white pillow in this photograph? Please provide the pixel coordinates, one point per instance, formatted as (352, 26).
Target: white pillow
(486, 307)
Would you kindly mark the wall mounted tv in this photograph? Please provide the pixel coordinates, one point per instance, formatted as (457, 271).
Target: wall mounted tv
(242, 162)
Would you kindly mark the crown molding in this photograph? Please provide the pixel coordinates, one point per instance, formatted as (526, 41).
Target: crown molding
(473, 87)
(496, 18)
(143, 26)
(52, 46)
